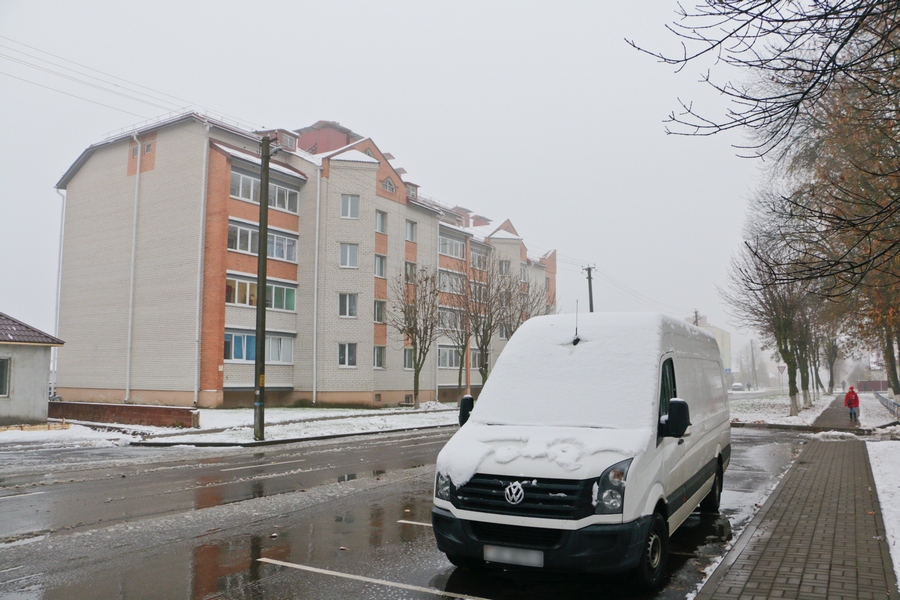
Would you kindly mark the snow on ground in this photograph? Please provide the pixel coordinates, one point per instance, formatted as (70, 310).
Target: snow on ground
(883, 458)
(339, 426)
(774, 409)
(236, 426)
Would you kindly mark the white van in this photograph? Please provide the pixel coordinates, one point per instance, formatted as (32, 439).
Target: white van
(587, 448)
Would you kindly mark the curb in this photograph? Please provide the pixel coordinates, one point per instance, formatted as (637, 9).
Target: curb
(282, 441)
(811, 428)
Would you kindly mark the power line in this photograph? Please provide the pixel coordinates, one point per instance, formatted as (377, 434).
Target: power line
(180, 101)
(75, 96)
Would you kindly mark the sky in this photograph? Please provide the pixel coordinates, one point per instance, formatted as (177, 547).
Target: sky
(532, 111)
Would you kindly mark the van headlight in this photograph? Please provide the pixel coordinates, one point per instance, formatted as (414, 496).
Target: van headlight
(442, 487)
(609, 490)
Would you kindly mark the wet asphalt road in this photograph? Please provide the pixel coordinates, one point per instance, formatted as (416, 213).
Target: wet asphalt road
(198, 527)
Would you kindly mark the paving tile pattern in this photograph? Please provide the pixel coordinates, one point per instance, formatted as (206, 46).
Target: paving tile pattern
(820, 535)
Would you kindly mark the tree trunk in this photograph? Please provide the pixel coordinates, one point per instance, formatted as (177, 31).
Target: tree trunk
(803, 365)
(416, 387)
(890, 361)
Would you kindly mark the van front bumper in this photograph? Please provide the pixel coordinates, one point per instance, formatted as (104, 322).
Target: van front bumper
(592, 549)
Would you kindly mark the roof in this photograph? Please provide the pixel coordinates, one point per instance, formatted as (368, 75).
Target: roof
(140, 130)
(257, 160)
(354, 156)
(13, 331)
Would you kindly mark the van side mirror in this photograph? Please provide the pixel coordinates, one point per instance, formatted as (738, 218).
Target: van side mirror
(466, 404)
(679, 418)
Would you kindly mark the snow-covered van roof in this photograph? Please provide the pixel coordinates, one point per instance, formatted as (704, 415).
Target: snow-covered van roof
(608, 379)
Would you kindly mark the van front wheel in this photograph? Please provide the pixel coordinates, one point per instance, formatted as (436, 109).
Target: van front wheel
(713, 499)
(655, 554)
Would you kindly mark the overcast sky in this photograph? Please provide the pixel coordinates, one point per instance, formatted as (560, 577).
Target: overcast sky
(533, 111)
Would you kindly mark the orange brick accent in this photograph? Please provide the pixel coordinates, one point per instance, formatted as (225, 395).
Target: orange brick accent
(148, 161)
(381, 243)
(215, 261)
(246, 263)
(250, 212)
(380, 337)
(452, 264)
(412, 250)
(380, 288)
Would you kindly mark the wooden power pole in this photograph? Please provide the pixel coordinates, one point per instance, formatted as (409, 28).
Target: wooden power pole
(259, 374)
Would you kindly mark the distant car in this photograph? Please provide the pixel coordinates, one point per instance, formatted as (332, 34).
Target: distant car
(737, 387)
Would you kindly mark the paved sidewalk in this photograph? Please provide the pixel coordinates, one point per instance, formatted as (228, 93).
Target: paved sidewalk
(819, 535)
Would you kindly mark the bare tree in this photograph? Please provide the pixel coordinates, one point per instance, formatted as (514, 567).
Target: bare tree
(796, 50)
(772, 310)
(526, 299)
(413, 313)
(490, 295)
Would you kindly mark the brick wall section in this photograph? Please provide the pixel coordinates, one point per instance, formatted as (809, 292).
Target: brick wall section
(131, 414)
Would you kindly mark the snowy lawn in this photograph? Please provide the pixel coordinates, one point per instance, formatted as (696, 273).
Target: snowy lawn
(883, 458)
(236, 426)
(775, 408)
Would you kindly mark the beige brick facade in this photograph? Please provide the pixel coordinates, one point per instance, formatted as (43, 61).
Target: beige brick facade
(179, 318)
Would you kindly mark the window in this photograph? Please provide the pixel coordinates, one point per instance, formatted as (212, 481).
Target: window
(147, 148)
(408, 362)
(449, 319)
(347, 355)
(243, 239)
(281, 247)
(503, 331)
(379, 311)
(349, 206)
(451, 283)
(279, 349)
(134, 151)
(283, 198)
(448, 357)
(523, 272)
(242, 292)
(380, 221)
(380, 265)
(378, 360)
(288, 142)
(667, 391)
(451, 247)
(410, 231)
(350, 256)
(478, 259)
(4, 374)
(388, 185)
(478, 291)
(280, 297)
(504, 267)
(410, 271)
(244, 187)
(347, 305)
(411, 192)
(241, 347)
(475, 358)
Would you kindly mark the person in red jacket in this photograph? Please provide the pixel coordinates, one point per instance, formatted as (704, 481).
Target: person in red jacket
(851, 401)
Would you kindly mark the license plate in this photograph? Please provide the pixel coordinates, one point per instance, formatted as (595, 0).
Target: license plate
(514, 556)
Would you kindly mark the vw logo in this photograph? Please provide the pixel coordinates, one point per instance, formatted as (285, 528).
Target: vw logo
(514, 493)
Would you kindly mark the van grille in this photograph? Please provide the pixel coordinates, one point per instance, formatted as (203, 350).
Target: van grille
(511, 535)
(544, 498)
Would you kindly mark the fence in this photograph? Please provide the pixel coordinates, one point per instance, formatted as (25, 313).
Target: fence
(889, 404)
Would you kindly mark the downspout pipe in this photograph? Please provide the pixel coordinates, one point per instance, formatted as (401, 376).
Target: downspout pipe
(200, 245)
(54, 363)
(137, 194)
(315, 347)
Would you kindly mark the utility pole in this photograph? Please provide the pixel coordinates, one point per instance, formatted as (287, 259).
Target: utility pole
(753, 361)
(696, 317)
(590, 287)
(259, 372)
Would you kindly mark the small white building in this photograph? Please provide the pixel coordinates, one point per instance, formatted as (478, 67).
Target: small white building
(24, 372)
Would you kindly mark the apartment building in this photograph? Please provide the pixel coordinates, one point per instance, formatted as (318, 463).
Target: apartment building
(158, 286)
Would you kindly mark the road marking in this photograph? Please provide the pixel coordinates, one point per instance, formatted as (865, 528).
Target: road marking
(285, 462)
(415, 523)
(425, 444)
(402, 586)
(12, 569)
(21, 495)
